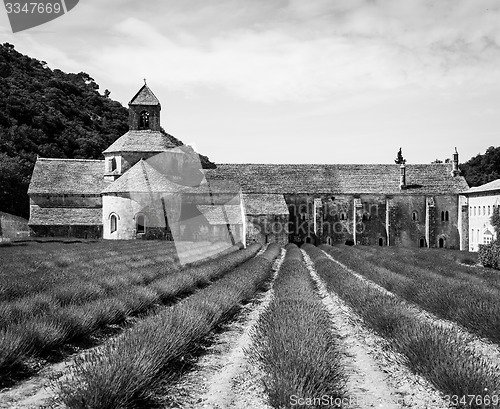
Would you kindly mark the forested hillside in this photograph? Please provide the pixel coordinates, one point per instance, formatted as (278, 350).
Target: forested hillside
(482, 168)
(52, 114)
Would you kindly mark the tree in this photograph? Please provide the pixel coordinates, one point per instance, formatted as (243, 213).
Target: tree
(399, 159)
(52, 114)
(482, 168)
(495, 219)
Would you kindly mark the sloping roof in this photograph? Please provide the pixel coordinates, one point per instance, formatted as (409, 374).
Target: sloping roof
(256, 204)
(341, 179)
(67, 176)
(58, 216)
(145, 178)
(144, 97)
(487, 187)
(215, 214)
(142, 141)
(142, 178)
(11, 217)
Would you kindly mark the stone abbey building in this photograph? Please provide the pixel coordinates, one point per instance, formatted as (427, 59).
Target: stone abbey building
(148, 184)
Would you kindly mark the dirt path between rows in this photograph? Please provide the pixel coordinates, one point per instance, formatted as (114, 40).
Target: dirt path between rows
(225, 378)
(477, 345)
(377, 376)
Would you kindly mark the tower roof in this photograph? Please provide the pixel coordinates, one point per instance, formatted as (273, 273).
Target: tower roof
(143, 141)
(144, 97)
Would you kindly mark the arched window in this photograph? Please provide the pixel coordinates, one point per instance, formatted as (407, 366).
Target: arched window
(343, 216)
(421, 243)
(489, 210)
(113, 223)
(472, 236)
(441, 242)
(329, 240)
(414, 216)
(380, 241)
(140, 224)
(474, 210)
(144, 120)
(484, 210)
(446, 216)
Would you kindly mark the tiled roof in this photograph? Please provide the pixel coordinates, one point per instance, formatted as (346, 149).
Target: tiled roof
(143, 177)
(67, 176)
(256, 204)
(340, 179)
(53, 216)
(487, 187)
(215, 214)
(144, 97)
(143, 141)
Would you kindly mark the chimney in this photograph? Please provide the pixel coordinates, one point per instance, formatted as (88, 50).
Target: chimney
(455, 171)
(402, 176)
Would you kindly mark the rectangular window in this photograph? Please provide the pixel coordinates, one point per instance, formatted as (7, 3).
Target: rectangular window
(489, 210)
(487, 239)
(472, 236)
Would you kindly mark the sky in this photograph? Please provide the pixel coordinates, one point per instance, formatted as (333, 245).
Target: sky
(294, 81)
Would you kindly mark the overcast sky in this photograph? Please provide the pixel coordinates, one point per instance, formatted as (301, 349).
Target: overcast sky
(294, 81)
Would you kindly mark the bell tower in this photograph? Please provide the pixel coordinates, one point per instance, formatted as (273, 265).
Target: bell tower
(144, 111)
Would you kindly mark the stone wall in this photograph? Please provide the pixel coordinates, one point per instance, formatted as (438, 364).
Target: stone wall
(81, 201)
(82, 232)
(370, 220)
(404, 230)
(134, 116)
(399, 220)
(267, 229)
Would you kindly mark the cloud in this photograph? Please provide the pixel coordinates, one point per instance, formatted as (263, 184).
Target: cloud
(292, 50)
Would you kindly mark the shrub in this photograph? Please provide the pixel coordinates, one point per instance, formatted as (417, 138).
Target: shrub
(14, 347)
(126, 373)
(438, 353)
(293, 342)
(463, 298)
(43, 335)
(73, 308)
(489, 255)
(155, 234)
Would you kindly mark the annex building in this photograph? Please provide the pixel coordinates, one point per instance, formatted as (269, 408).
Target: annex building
(150, 185)
(482, 201)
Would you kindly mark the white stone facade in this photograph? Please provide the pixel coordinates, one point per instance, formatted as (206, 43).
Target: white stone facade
(481, 206)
